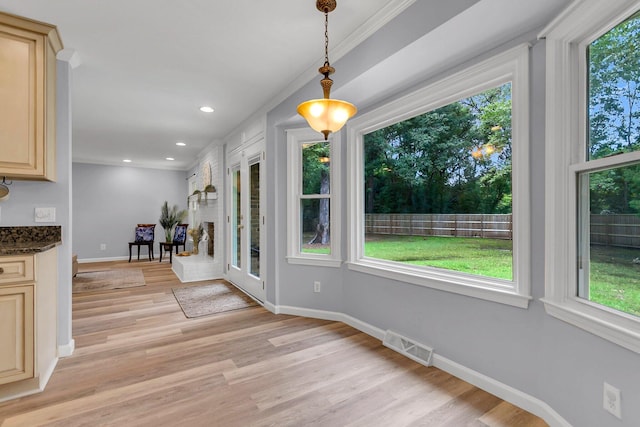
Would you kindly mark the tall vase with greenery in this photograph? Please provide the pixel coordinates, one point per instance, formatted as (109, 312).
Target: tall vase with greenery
(170, 217)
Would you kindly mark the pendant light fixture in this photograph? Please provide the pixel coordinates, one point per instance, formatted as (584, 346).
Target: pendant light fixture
(326, 115)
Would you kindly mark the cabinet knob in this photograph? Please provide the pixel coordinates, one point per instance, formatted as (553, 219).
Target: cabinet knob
(1, 270)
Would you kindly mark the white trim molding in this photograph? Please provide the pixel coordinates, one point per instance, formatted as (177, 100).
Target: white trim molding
(66, 350)
(512, 66)
(567, 38)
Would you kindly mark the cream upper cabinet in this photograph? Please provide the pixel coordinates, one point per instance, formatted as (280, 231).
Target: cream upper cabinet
(27, 98)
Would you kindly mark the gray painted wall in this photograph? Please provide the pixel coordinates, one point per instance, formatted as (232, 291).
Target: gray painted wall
(108, 202)
(529, 350)
(27, 195)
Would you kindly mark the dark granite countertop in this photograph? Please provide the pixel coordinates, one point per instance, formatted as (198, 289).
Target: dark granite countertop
(29, 239)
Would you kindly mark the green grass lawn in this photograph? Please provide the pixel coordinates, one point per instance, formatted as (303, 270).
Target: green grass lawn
(485, 257)
(615, 278)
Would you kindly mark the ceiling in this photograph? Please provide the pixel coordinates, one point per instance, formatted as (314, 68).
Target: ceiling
(147, 66)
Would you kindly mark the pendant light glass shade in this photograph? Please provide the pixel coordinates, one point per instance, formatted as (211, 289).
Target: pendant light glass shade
(326, 115)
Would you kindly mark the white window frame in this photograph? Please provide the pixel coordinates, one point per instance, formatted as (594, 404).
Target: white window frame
(567, 39)
(296, 138)
(509, 66)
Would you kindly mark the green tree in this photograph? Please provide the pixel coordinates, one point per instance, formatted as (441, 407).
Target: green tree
(614, 115)
(425, 164)
(315, 180)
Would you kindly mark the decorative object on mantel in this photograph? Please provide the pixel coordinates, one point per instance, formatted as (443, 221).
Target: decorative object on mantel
(169, 218)
(4, 190)
(210, 189)
(206, 174)
(196, 234)
(196, 197)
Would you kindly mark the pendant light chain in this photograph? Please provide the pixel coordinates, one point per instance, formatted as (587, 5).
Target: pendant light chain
(326, 38)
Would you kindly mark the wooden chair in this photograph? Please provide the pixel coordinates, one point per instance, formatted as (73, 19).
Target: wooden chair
(179, 239)
(144, 237)
(180, 236)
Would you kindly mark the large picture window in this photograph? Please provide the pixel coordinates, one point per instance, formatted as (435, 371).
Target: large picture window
(439, 184)
(438, 187)
(593, 164)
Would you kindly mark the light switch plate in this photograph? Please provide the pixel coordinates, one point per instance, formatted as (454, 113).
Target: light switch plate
(45, 215)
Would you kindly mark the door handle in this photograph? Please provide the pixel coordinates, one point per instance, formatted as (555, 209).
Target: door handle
(240, 227)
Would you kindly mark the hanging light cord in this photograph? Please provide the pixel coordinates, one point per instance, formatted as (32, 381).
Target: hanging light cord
(326, 38)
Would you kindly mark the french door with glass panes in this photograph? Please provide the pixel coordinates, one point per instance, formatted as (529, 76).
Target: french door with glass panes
(245, 219)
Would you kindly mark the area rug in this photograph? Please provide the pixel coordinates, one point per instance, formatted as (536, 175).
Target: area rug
(202, 300)
(108, 279)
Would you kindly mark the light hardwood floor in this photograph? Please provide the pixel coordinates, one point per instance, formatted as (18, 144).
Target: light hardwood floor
(140, 362)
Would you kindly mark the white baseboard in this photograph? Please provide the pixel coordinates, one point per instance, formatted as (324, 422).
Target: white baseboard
(330, 315)
(115, 258)
(67, 349)
(497, 388)
(46, 375)
(271, 307)
(503, 391)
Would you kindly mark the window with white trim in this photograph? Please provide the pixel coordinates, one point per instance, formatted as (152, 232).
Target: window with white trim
(458, 147)
(592, 237)
(313, 185)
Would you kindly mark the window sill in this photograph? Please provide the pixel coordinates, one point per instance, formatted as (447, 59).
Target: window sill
(495, 290)
(617, 328)
(315, 261)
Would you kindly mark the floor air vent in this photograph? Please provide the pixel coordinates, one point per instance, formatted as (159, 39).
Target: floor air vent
(413, 350)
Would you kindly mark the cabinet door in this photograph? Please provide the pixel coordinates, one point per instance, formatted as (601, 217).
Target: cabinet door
(22, 107)
(16, 333)
(27, 89)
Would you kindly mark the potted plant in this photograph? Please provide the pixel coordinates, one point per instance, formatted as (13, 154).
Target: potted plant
(169, 218)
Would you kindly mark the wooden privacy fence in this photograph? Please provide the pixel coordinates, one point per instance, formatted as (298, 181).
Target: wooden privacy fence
(616, 230)
(612, 230)
(494, 226)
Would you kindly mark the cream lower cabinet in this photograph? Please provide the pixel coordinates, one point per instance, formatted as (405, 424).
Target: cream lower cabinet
(28, 322)
(16, 333)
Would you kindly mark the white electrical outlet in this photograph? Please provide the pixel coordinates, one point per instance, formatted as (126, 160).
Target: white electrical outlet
(316, 286)
(103, 246)
(611, 400)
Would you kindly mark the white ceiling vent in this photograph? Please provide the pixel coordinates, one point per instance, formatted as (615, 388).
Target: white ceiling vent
(410, 348)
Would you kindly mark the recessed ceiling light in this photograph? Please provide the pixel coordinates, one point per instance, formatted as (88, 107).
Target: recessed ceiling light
(206, 109)
(127, 160)
(180, 144)
(170, 158)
